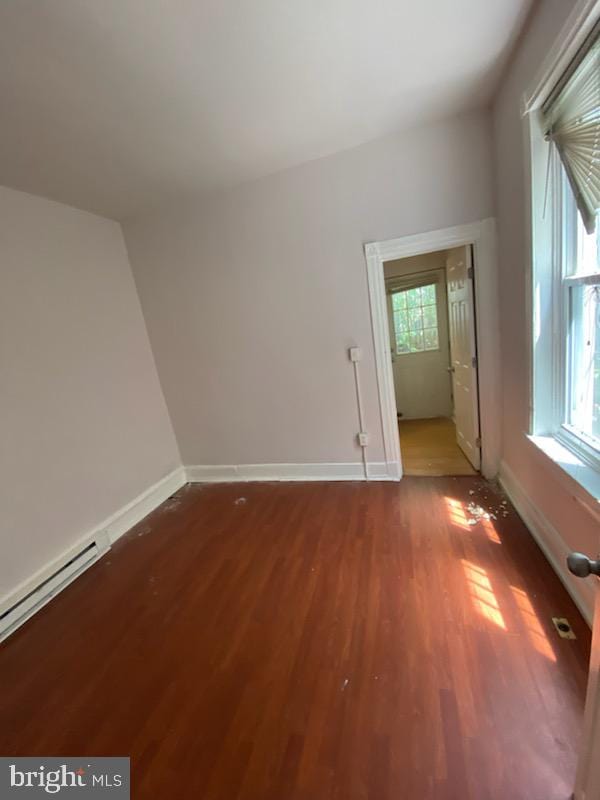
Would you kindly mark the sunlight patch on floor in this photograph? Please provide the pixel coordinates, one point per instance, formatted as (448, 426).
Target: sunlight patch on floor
(482, 594)
(532, 623)
(456, 513)
(463, 517)
(490, 531)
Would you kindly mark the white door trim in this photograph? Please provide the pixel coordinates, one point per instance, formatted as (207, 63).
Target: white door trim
(482, 235)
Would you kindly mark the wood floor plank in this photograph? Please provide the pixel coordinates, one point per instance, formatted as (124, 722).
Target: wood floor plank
(429, 448)
(311, 642)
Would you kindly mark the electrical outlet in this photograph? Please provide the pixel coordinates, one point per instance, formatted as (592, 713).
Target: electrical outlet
(363, 439)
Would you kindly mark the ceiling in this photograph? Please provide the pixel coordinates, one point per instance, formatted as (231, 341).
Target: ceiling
(115, 105)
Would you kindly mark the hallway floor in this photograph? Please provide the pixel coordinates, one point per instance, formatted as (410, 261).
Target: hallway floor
(428, 447)
(311, 641)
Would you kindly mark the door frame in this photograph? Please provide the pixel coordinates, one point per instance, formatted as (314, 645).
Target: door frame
(482, 235)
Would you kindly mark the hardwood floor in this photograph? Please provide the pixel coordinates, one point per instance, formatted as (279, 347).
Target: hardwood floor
(429, 447)
(311, 641)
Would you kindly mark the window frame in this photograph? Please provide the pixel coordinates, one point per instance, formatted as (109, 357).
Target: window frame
(555, 246)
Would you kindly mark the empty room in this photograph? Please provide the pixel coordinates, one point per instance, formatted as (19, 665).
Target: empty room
(300, 399)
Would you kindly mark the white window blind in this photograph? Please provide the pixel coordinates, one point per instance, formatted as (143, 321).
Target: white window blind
(572, 121)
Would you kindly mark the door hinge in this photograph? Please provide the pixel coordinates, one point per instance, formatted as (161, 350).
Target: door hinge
(478, 441)
(470, 273)
(474, 362)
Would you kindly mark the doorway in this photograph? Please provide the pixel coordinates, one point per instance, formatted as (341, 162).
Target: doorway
(480, 238)
(433, 353)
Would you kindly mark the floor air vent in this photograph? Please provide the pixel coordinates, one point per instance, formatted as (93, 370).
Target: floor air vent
(563, 628)
(41, 593)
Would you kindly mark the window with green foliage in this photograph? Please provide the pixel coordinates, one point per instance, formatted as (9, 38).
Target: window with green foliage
(415, 319)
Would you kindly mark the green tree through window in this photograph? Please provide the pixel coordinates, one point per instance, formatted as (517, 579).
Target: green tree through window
(415, 319)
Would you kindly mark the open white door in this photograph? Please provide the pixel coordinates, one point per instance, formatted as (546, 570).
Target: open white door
(587, 784)
(463, 351)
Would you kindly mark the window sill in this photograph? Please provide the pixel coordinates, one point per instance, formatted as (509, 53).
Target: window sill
(568, 462)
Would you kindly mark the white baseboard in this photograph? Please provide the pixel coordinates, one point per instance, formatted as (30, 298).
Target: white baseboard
(125, 518)
(102, 535)
(378, 471)
(550, 542)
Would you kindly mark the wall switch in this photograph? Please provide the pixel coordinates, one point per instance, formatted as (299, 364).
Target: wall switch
(363, 439)
(355, 353)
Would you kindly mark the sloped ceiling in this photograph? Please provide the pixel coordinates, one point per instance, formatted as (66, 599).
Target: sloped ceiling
(113, 105)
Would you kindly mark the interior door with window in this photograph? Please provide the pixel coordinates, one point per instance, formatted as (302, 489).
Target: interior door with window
(463, 351)
(417, 315)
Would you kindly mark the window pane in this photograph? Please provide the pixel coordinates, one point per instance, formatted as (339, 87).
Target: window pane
(415, 319)
(428, 294)
(413, 297)
(416, 341)
(430, 337)
(429, 317)
(398, 300)
(585, 360)
(402, 343)
(401, 321)
(588, 249)
(582, 249)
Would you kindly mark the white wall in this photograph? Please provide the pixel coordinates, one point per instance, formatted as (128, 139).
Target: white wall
(422, 382)
(251, 297)
(83, 423)
(539, 478)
